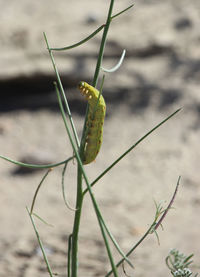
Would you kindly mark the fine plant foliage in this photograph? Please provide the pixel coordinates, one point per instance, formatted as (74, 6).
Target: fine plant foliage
(179, 264)
(84, 152)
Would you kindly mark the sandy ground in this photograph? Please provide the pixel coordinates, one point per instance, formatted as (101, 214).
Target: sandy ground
(160, 74)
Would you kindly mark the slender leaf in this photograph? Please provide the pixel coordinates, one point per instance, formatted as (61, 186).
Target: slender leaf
(36, 165)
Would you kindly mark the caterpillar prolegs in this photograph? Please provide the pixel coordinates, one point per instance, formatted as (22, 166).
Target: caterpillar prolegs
(95, 120)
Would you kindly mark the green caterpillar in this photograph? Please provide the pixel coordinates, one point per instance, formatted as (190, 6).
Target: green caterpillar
(94, 124)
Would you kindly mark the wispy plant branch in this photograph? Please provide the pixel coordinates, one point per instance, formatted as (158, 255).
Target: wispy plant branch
(41, 245)
(36, 165)
(131, 148)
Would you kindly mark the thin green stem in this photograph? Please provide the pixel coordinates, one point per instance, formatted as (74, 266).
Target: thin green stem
(69, 256)
(41, 245)
(79, 196)
(65, 122)
(63, 92)
(117, 14)
(37, 190)
(80, 42)
(102, 46)
(114, 268)
(154, 225)
(133, 248)
(169, 206)
(42, 220)
(130, 149)
(115, 242)
(100, 217)
(63, 189)
(76, 226)
(36, 165)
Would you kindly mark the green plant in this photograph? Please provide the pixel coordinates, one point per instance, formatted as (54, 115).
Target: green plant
(179, 264)
(78, 148)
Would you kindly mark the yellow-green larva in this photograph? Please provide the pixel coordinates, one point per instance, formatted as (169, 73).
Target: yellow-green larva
(94, 124)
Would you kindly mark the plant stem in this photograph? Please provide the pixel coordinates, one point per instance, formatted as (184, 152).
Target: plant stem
(41, 245)
(36, 165)
(102, 46)
(62, 92)
(80, 42)
(69, 256)
(77, 217)
(95, 79)
(153, 226)
(37, 190)
(79, 199)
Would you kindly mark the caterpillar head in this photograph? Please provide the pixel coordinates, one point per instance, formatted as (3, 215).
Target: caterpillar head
(84, 89)
(81, 85)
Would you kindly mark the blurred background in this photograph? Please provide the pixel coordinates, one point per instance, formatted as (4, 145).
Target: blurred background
(160, 73)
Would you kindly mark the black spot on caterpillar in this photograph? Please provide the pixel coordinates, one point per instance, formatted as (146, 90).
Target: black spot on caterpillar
(95, 121)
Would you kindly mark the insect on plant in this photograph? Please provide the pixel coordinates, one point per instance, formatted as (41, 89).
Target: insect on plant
(95, 121)
(85, 151)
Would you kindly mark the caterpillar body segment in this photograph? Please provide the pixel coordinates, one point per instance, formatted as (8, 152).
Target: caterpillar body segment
(95, 121)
